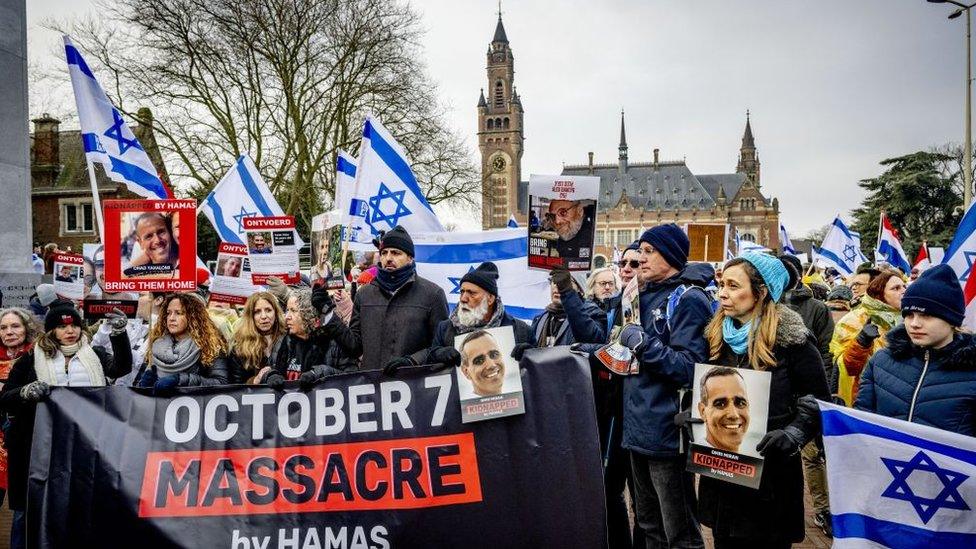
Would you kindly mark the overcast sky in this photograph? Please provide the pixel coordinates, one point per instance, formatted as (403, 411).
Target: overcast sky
(834, 86)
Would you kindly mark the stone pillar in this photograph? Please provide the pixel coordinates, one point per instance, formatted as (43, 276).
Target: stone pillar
(17, 280)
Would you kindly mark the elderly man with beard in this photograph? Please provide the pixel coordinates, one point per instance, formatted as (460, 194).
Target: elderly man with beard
(479, 307)
(395, 316)
(568, 218)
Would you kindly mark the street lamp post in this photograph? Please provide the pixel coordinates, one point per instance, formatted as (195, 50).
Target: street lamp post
(967, 158)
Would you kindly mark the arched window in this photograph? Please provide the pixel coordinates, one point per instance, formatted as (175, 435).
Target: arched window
(491, 124)
(499, 94)
(498, 123)
(748, 237)
(505, 123)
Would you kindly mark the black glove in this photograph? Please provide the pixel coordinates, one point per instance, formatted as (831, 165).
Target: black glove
(321, 300)
(836, 399)
(116, 320)
(308, 379)
(35, 391)
(275, 380)
(166, 385)
(520, 349)
(783, 442)
(400, 362)
(634, 338)
(148, 378)
(684, 421)
(443, 357)
(561, 278)
(867, 335)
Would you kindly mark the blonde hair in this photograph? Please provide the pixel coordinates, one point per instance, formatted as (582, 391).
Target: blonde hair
(765, 321)
(32, 330)
(248, 343)
(198, 324)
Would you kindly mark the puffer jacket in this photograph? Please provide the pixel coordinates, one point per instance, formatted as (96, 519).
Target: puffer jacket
(848, 354)
(935, 387)
(772, 514)
(667, 363)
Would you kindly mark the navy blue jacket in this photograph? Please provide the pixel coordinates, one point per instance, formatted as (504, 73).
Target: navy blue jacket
(446, 332)
(668, 362)
(585, 321)
(946, 388)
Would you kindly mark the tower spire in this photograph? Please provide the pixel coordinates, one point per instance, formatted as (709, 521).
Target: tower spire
(500, 35)
(747, 140)
(623, 133)
(622, 148)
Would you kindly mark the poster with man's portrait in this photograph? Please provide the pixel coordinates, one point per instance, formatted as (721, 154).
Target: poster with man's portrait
(272, 248)
(489, 381)
(231, 283)
(150, 245)
(733, 406)
(69, 279)
(562, 227)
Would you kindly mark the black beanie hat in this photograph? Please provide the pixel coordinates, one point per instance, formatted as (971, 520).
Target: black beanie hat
(669, 241)
(794, 268)
(484, 277)
(635, 245)
(61, 313)
(936, 293)
(396, 238)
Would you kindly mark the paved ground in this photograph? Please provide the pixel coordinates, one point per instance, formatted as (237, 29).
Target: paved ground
(815, 538)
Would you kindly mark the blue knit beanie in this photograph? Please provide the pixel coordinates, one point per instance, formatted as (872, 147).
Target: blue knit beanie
(772, 271)
(669, 241)
(937, 293)
(635, 245)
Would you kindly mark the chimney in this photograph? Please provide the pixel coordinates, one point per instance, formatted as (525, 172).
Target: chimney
(46, 141)
(590, 154)
(656, 152)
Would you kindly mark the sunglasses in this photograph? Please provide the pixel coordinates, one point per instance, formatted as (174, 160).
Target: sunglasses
(633, 263)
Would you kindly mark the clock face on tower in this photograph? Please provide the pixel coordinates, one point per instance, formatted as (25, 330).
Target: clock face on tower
(498, 163)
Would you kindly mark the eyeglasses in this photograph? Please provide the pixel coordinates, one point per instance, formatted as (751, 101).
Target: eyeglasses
(633, 263)
(606, 283)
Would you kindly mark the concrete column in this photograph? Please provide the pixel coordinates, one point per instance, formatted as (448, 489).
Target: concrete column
(17, 280)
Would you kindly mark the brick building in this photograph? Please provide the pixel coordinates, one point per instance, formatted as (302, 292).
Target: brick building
(61, 195)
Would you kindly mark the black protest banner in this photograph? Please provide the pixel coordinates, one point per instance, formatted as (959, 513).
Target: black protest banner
(360, 461)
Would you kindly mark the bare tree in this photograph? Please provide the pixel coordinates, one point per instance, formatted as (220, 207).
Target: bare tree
(287, 81)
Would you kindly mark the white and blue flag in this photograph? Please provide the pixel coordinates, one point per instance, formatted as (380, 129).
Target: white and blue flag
(898, 484)
(742, 245)
(784, 241)
(107, 139)
(512, 222)
(345, 185)
(445, 257)
(240, 194)
(840, 249)
(387, 193)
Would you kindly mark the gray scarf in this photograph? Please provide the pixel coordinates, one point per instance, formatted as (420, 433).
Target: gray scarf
(172, 357)
(493, 322)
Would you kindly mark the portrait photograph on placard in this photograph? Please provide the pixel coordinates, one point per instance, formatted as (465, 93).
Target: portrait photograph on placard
(489, 381)
(562, 223)
(231, 283)
(733, 406)
(69, 279)
(327, 252)
(271, 248)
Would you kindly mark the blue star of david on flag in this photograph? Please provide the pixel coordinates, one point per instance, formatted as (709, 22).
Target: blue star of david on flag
(926, 507)
(456, 281)
(970, 259)
(239, 218)
(115, 132)
(850, 253)
(400, 210)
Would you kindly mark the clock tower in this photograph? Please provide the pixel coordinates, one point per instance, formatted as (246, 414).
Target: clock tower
(500, 136)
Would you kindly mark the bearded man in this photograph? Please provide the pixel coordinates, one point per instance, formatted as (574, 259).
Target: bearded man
(479, 307)
(572, 220)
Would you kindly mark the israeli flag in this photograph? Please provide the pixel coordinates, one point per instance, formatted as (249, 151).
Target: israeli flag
(889, 247)
(387, 193)
(784, 241)
(898, 484)
(840, 249)
(512, 222)
(961, 256)
(240, 194)
(742, 245)
(107, 139)
(345, 185)
(445, 257)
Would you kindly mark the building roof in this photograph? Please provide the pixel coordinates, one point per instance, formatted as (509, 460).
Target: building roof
(669, 185)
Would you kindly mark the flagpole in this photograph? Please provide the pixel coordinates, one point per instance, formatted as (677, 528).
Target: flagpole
(96, 201)
(877, 247)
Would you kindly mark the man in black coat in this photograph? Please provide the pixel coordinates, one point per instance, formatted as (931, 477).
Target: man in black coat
(395, 316)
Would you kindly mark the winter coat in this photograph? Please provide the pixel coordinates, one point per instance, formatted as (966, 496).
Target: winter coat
(21, 412)
(317, 352)
(848, 354)
(446, 332)
(934, 387)
(667, 363)
(816, 317)
(237, 372)
(386, 326)
(774, 512)
(196, 375)
(585, 322)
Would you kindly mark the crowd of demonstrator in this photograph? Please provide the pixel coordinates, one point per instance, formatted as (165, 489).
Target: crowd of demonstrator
(876, 341)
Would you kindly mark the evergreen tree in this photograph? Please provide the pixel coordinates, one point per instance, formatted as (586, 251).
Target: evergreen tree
(920, 200)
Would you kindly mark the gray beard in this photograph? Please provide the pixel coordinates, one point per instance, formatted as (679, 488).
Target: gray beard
(572, 230)
(472, 317)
